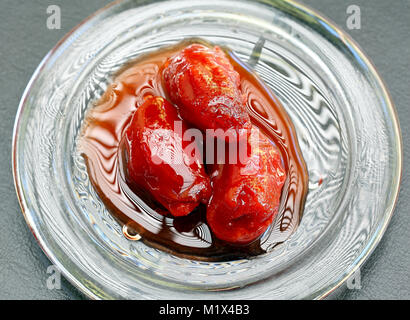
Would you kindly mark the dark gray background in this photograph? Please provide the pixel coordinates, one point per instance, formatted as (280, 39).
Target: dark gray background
(25, 39)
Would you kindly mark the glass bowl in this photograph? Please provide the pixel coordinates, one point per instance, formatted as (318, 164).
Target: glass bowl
(345, 121)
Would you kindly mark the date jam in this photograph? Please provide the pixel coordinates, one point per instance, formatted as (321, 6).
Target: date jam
(203, 210)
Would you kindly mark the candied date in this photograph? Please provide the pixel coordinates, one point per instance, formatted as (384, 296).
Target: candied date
(157, 158)
(205, 87)
(246, 196)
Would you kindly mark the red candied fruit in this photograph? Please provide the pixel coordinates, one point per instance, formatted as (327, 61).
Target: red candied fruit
(157, 161)
(246, 197)
(204, 85)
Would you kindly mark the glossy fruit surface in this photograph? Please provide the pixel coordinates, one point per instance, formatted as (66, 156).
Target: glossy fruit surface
(160, 162)
(204, 85)
(246, 197)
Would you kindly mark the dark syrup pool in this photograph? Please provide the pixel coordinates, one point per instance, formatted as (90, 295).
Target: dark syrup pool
(141, 218)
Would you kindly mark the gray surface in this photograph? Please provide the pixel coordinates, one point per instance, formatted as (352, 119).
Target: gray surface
(25, 40)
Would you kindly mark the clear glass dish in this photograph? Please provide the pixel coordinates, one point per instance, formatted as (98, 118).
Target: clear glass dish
(345, 120)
